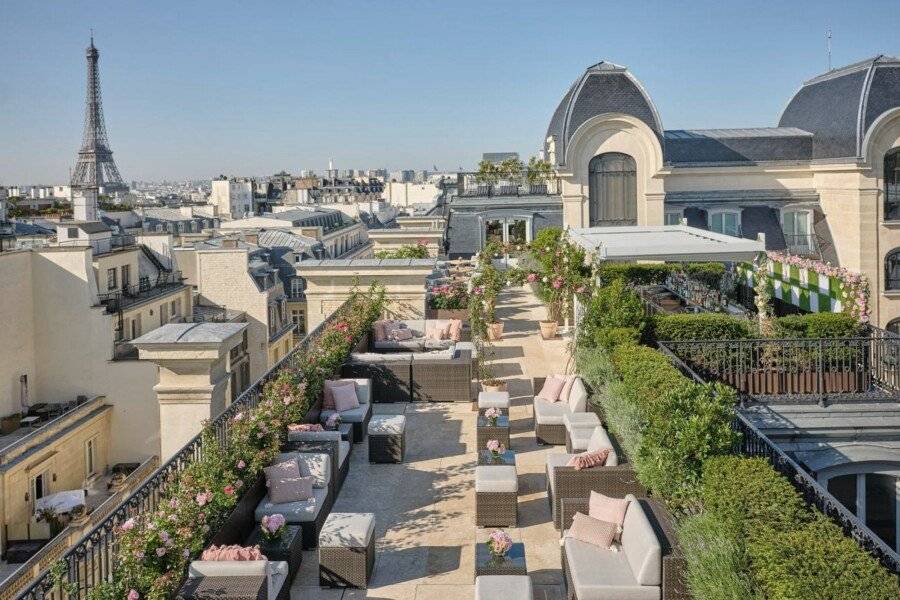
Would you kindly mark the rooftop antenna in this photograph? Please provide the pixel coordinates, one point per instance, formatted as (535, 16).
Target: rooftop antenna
(828, 46)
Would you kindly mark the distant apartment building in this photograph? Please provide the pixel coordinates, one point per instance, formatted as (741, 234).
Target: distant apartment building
(499, 157)
(403, 176)
(232, 196)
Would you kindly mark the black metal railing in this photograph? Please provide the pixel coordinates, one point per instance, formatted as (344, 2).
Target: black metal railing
(802, 244)
(104, 246)
(477, 185)
(804, 370)
(91, 561)
(754, 442)
(145, 289)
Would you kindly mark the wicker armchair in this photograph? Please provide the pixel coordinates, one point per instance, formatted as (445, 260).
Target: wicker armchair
(674, 585)
(236, 580)
(328, 442)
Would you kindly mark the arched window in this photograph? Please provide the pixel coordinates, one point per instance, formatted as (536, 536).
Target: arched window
(892, 270)
(613, 190)
(892, 185)
(894, 326)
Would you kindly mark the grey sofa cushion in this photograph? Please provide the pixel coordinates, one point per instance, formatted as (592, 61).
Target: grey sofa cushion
(599, 574)
(343, 452)
(578, 396)
(302, 511)
(600, 439)
(313, 436)
(549, 413)
(317, 465)
(581, 420)
(438, 344)
(640, 545)
(413, 345)
(354, 415)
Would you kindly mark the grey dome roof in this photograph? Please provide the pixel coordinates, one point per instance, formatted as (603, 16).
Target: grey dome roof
(602, 88)
(839, 107)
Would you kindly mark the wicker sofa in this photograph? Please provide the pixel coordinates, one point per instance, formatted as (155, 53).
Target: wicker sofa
(236, 580)
(418, 342)
(441, 376)
(549, 427)
(309, 514)
(616, 478)
(328, 442)
(650, 563)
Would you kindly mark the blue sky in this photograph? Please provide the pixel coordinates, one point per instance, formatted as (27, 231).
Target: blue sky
(193, 89)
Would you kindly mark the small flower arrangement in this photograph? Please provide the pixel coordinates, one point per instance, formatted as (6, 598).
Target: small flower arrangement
(333, 422)
(272, 527)
(499, 543)
(495, 448)
(492, 414)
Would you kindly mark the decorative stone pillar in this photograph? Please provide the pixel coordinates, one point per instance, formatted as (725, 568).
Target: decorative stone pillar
(193, 376)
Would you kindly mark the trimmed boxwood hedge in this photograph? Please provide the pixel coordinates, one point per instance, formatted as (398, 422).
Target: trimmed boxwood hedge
(817, 325)
(654, 274)
(703, 326)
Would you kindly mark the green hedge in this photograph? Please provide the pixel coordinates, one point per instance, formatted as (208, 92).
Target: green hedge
(716, 566)
(709, 273)
(793, 552)
(645, 372)
(614, 306)
(654, 274)
(703, 326)
(817, 325)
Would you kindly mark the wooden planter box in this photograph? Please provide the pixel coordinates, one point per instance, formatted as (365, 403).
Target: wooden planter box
(774, 382)
(447, 313)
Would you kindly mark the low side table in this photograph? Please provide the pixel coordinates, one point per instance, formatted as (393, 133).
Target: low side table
(486, 458)
(513, 563)
(486, 431)
(288, 549)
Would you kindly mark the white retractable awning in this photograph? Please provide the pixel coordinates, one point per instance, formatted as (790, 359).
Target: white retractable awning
(674, 243)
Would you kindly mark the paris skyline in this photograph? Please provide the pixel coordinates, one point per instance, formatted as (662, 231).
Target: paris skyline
(198, 91)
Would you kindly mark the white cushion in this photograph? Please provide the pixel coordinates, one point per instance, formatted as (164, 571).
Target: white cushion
(387, 425)
(302, 511)
(581, 420)
(355, 415)
(579, 438)
(599, 574)
(508, 587)
(224, 568)
(599, 440)
(499, 478)
(347, 530)
(493, 400)
(549, 413)
(317, 465)
(640, 545)
(577, 397)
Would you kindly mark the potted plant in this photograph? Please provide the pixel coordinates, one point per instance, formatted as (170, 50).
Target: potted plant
(272, 527)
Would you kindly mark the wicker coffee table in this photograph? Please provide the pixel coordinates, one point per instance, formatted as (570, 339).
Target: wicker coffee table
(289, 548)
(513, 563)
(498, 431)
(486, 458)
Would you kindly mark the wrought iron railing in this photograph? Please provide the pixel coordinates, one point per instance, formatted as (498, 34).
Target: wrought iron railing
(91, 561)
(478, 185)
(129, 295)
(802, 244)
(754, 442)
(857, 368)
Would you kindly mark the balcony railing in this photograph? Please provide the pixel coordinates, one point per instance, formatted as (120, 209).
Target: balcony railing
(804, 370)
(91, 561)
(104, 246)
(802, 245)
(476, 185)
(121, 299)
(754, 442)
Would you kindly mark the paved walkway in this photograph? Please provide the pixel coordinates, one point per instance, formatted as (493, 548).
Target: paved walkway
(425, 508)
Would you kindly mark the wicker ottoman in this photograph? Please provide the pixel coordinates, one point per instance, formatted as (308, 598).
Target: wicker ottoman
(508, 587)
(496, 496)
(347, 550)
(493, 400)
(387, 438)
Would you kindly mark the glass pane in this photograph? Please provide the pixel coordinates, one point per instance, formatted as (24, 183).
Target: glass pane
(715, 223)
(493, 231)
(843, 488)
(892, 185)
(673, 218)
(881, 506)
(517, 232)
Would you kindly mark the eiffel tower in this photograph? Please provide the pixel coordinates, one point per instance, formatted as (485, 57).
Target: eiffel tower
(94, 167)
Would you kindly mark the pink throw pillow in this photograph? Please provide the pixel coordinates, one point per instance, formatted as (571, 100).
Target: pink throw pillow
(607, 509)
(592, 531)
(378, 331)
(432, 330)
(345, 398)
(588, 460)
(570, 381)
(233, 552)
(328, 391)
(455, 329)
(305, 427)
(553, 385)
(286, 484)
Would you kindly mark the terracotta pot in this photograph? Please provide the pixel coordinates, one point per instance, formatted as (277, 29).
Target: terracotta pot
(500, 386)
(495, 331)
(549, 329)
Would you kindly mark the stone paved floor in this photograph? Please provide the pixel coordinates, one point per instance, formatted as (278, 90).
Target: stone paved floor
(425, 508)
